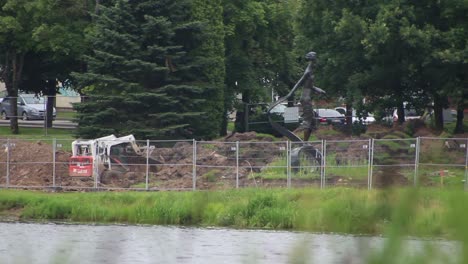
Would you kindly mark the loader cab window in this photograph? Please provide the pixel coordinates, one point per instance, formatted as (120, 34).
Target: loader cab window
(84, 151)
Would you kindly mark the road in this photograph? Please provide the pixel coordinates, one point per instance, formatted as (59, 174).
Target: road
(66, 124)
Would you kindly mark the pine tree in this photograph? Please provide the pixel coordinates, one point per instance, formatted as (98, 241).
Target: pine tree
(141, 77)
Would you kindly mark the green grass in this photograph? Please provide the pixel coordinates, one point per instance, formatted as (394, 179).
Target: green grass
(350, 170)
(275, 170)
(395, 214)
(441, 176)
(230, 126)
(450, 127)
(36, 133)
(430, 212)
(66, 115)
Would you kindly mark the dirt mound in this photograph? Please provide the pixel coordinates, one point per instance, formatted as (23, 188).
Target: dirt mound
(31, 163)
(248, 136)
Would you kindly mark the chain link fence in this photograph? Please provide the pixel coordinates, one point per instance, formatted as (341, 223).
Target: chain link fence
(212, 165)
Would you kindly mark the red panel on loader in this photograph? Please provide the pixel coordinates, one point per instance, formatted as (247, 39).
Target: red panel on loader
(81, 166)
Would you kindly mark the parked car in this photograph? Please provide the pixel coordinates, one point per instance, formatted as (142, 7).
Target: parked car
(30, 107)
(329, 117)
(365, 119)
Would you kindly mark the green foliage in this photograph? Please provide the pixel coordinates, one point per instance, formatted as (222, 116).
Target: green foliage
(424, 212)
(259, 41)
(212, 66)
(387, 51)
(211, 175)
(41, 42)
(358, 128)
(147, 74)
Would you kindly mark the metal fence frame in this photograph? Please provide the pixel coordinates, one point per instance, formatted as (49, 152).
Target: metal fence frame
(236, 146)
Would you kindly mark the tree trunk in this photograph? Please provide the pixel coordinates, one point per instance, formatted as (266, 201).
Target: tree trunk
(460, 115)
(242, 119)
(11, 74)
(224, 124)
(349, 118)
(438, 113)
(51, 88)
(401, 113)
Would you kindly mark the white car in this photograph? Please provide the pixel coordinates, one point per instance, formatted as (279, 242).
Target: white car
(367, 119)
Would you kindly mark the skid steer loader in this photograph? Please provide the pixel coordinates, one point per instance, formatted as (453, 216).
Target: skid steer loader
(95, 157)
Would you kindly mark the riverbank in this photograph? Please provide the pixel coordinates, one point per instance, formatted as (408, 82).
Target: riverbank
(415, 212)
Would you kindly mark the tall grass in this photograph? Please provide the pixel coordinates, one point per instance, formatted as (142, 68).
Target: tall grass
(332, 210)
(394, 213)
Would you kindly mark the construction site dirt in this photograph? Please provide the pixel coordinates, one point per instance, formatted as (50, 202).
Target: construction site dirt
(32, 164)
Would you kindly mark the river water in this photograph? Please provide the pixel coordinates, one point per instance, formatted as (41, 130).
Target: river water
(57, 243)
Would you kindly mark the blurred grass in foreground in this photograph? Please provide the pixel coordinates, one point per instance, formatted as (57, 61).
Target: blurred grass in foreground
(396, 214)
(431, 212)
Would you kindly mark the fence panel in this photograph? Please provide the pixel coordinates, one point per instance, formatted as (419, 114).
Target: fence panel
(263, 164)
(30, 163)
(347, 163)
(442, 161)
(187, 165)
(306, 165)
(393, 162)
(171, 165)
(216, 165)
(125, 165)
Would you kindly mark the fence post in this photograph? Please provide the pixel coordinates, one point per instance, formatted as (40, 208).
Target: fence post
(288, 163)
(237, 164)
(321, 164)
(369, 167)
(416, 161)
(371, 163)
(324, 163)
(45, 115)
(466, 165)
(7, 183)
(147, 163)
(194, 165)
(96, 167)
(54, 149)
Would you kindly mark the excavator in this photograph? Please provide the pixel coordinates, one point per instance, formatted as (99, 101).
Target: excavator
(110, 153)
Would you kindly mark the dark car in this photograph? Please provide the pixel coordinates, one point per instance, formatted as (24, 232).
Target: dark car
(329, 117)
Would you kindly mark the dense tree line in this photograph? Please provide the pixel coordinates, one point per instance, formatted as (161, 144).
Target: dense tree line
(391, 52)
(173, 69)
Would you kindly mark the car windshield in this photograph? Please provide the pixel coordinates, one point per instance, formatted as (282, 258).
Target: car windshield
(33, 99)
(278, 109)
(329, 113)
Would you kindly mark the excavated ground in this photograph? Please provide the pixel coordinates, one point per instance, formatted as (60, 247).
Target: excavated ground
(170, 167)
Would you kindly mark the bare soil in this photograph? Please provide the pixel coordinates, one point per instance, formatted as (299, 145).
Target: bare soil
(31, 164)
